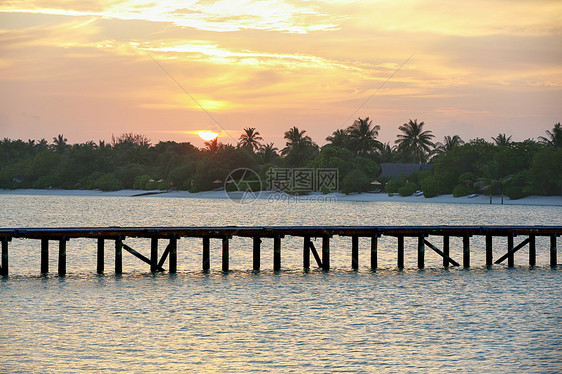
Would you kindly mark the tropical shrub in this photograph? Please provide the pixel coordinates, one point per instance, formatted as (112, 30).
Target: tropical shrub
(408, 189)
(141, 182)
(462, 190)
(430, 186)
(109, 182)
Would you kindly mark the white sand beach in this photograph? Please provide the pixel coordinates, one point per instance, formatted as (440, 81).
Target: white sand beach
(268, 195)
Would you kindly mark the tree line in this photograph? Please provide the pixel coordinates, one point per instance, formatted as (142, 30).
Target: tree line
(130, 161)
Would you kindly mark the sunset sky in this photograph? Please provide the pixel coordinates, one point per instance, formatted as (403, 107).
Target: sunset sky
(90, 69)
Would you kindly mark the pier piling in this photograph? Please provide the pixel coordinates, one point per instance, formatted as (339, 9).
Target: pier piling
(446, 251)
(489, 253)
(510, 254)
(374, 252)
(62, 257)
(101, 254)
(119, 255)
(44, 256)
(553, 259)
(206, 254)
(421, 252)
(400, 252)
(325, 252)
(153, 254)
(5, 269)
(225, 254)
(355, 252)
(173, 260)
(532, 251)
(277, 253)
(306, 253)
(256, 253)
(466, 251)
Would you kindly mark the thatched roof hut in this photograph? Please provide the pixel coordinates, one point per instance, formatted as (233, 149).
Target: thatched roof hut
(396, 170)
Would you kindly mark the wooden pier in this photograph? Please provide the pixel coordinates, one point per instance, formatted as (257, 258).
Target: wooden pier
(425, 239)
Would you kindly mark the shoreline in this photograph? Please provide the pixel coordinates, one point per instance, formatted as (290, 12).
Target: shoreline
(316, 197)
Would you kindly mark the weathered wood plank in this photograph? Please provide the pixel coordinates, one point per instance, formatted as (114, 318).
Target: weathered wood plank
(272, 231)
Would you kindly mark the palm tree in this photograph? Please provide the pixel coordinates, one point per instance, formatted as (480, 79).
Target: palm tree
(362, 137)
(494, 180)
(42, 145)
(131, 139)
(449, 142)
(250, 139)
(295, 140)
(59, 143)
(299, 148)
(555, 136)
(339, 138)
(212, 146)
(386, 153)
(268, 153)
(502, 140)
(415, 143)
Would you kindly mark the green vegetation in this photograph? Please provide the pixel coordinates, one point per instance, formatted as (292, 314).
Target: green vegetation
(501, 167)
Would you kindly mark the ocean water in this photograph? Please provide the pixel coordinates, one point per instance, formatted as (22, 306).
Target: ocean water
(451, 320)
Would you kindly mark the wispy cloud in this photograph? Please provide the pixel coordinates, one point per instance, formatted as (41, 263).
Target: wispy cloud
(222, 15)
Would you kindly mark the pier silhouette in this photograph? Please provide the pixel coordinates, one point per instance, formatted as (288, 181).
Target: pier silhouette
(426, 236)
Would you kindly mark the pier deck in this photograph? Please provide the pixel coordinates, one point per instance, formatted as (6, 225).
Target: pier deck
(225, 233)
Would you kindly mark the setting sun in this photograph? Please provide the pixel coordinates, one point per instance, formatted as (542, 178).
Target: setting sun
(207, 135)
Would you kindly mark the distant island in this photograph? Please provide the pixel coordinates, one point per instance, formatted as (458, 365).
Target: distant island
(497, 167)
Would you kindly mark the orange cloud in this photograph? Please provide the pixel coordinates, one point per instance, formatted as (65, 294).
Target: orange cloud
(278, 63)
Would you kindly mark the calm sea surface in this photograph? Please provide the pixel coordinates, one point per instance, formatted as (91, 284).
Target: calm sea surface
(477, 320)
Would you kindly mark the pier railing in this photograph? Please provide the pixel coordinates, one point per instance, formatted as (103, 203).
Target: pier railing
(321, 256)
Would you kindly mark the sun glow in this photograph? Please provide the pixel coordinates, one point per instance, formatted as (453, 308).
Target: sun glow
(207, 135)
